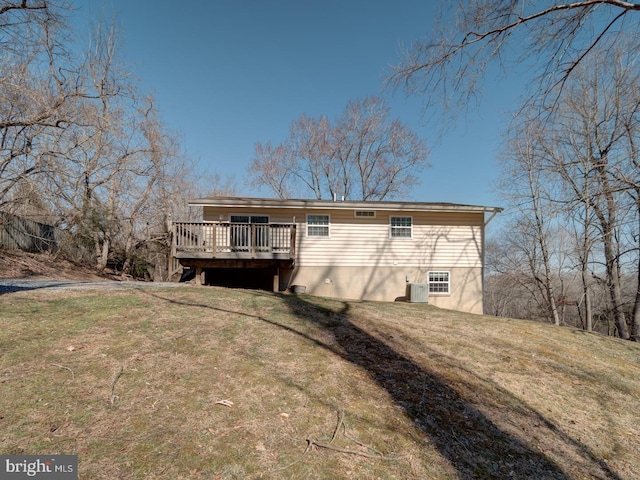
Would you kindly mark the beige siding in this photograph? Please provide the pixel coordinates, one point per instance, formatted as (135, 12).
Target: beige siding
(440, 240)
(360, 260)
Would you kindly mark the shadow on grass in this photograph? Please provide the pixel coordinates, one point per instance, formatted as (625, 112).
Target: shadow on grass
(474, 445)
(12, 286)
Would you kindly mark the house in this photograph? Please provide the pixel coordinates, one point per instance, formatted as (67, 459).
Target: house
(343, 249)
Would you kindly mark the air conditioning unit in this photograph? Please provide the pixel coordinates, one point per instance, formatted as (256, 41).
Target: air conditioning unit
(417, 293)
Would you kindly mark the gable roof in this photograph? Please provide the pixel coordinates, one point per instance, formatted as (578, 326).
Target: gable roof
(339, 205)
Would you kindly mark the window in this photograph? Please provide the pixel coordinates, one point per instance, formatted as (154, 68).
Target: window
(317, 225)
(249, 219)
(439, 282)
(401, 227)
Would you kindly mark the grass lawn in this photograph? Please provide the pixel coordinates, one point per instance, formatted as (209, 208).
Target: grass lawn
(213, 383)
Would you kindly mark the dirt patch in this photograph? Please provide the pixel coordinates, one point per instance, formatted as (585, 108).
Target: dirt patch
(19, 264)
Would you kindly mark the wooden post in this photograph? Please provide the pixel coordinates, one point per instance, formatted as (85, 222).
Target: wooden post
(172, 252)
(213, 240)
(276, 280)
(199, 275)
(292, 242)
(253, 240)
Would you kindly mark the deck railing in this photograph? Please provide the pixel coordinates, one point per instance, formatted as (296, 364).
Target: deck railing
(236, 240)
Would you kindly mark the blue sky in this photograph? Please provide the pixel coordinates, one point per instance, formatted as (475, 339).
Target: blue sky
(228, 74)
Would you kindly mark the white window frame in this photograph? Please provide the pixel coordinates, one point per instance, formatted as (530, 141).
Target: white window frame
(328, 226)
(439, 282)
(393, 228)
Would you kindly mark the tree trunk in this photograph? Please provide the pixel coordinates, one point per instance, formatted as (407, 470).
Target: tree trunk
(613, 282)
(102, 252)
(552, 302)
(635, 320)
(548, 278)
(586, 243)
(588, 312)
(608, 225)
(128, 250)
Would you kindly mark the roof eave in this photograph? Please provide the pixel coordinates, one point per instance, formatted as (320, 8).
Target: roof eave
(233, 202)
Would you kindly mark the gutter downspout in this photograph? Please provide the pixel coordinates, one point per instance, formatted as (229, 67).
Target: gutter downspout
(495, 212)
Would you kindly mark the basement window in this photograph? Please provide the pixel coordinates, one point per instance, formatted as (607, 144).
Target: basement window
(439, 282)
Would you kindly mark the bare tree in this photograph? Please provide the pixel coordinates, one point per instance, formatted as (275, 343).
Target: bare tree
(106, 145)
(584, 240)
(448, 66)
(82, 144)
(105, 165)
(629, 178)
(591, 132)
(272, 167)
(635, 194)
(309, 154)
(38, 85)
(587, 149)
(364, 155)
(138, 182)
(527, 187)
(511, 288)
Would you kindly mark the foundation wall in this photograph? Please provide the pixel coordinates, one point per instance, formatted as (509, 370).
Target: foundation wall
(389, 284)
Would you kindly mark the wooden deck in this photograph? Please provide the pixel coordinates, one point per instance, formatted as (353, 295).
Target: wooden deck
(233, 241)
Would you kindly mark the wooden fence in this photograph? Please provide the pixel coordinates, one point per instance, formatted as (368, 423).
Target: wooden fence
(21, 233)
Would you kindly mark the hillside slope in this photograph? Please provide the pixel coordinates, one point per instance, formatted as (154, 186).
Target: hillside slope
(218, 383)
(19, 264)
